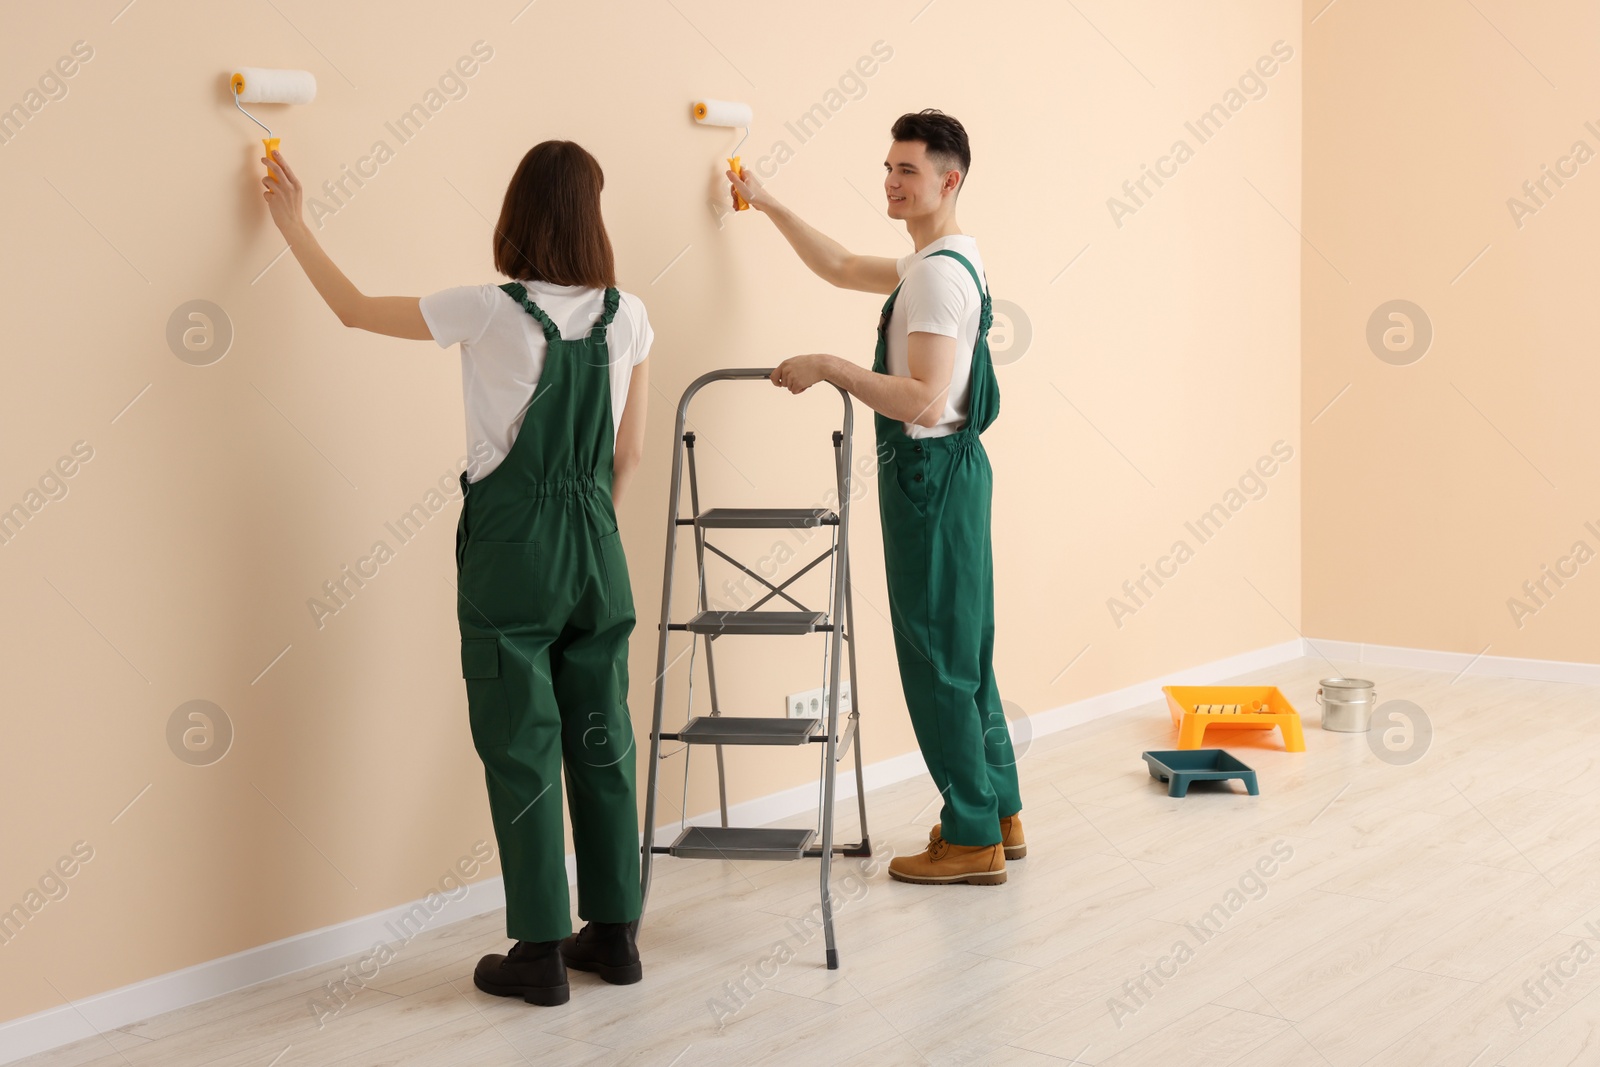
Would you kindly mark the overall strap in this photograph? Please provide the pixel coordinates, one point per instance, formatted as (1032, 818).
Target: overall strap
(983, 391)
(613, 298)
(959, 258)
(888, 309)
(986, 314)
(519, 292)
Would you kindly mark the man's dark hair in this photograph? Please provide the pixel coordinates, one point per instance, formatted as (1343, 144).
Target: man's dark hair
(944, 136)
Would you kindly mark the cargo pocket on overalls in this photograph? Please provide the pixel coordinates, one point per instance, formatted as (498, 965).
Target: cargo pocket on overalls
(907, 472)
(486, 693)
(619, 590)
(905, 558)
(461, 525)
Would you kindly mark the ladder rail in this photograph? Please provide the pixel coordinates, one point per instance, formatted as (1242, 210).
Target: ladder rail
(855, 716)
(711, 662)
(843, 472)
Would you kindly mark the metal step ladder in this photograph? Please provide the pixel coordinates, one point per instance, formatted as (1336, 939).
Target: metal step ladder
(707, 625)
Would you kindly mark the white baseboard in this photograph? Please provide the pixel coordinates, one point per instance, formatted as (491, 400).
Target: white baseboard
(1082, 711)
(119, 1007)
(1457, 663)
(775, 806)
(178, 989)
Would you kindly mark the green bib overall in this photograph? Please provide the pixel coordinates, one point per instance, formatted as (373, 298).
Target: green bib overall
(934, 498)
(545, 609)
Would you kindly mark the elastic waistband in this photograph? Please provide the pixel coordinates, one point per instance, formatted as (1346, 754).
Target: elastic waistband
(961, 441)
(565, 486)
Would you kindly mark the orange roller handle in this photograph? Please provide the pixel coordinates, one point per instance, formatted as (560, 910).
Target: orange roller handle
(739, 202)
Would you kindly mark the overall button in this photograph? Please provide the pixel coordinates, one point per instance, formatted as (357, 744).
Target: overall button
(919, 476)
(919, 448)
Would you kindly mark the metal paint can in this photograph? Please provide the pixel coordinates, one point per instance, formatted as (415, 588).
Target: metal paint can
(1347, 704)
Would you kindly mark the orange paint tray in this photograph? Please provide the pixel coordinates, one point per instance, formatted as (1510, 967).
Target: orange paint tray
(1195, 708)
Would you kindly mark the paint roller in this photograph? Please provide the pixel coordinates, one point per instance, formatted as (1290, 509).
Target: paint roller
(727, 113)
(263, 85)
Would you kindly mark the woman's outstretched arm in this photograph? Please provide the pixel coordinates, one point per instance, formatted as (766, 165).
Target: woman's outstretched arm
(396, 316)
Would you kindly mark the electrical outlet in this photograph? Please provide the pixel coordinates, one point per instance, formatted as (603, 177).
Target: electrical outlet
(813, 703)
(796, 704)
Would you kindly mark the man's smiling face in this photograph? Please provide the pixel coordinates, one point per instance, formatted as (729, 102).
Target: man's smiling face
(913, 182)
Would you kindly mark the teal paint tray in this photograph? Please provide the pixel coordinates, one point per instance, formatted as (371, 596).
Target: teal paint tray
(1179, 768)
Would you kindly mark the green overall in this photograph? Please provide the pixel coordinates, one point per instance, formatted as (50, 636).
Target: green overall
(934, 498)
(545, 609)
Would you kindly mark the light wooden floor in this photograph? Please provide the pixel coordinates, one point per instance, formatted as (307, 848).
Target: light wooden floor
(1417, 901)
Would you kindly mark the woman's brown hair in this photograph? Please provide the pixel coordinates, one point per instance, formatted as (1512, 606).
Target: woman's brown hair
(550, 229)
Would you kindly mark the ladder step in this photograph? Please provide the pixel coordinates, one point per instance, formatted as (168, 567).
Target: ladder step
(757, 622)
(741, 843)
(747, 730)
(765, 518)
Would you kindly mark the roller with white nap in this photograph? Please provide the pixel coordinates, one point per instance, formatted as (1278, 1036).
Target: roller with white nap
(727, 113)
(267, 85)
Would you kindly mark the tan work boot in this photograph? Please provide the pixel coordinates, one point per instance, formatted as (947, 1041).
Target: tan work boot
(1010, 836)
(944, 864)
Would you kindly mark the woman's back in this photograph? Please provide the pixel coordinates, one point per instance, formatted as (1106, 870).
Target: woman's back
(503, 352)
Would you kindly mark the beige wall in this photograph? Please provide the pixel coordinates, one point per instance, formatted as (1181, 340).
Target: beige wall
(1164, 364)
(1437, 488)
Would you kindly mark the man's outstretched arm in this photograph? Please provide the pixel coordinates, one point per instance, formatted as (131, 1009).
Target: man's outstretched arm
(827, 258)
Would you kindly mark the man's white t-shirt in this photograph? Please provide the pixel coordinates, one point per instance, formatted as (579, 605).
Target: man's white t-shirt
(937, 295)
(503, 349)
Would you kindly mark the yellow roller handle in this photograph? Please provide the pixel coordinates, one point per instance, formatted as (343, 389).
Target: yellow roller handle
(271, 145)
(739, 202)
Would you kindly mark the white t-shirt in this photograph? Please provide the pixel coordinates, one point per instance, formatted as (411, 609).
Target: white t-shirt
(937, 296)
(503, 348)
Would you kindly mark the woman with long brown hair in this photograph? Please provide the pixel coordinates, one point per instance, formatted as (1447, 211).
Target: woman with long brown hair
(554, 381)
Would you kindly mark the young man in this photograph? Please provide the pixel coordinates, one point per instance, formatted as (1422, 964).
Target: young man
(933, 387)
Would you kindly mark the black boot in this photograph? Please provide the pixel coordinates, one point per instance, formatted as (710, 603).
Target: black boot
(606, 949)
(532, 970)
